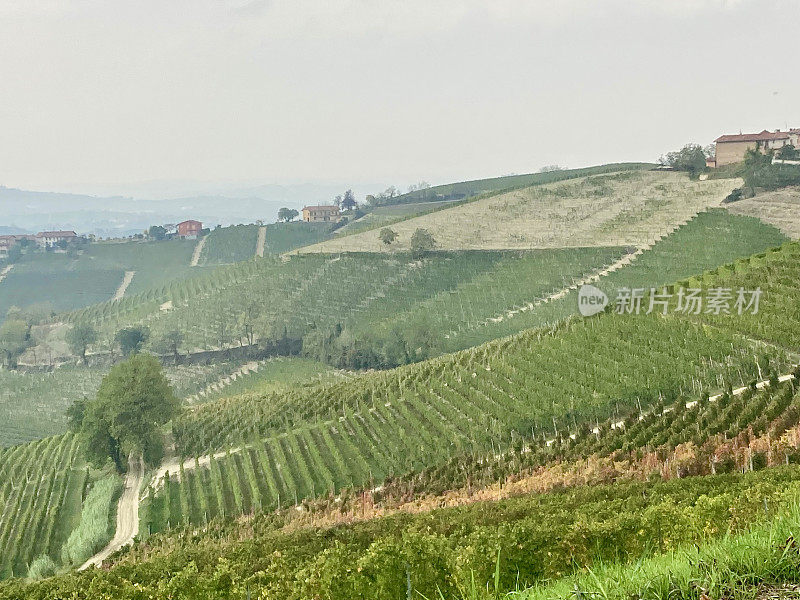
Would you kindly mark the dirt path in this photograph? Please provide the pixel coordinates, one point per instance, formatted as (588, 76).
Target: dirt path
(126, 281)
(127, 515)
(262, 241)
(5, 272)
(197, 251)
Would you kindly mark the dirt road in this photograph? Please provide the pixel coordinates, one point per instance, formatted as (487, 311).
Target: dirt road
(197, 251)
(126, 281)
(127, 515)
(262, 241)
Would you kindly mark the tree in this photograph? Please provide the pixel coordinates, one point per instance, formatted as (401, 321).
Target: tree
(349, 200)
(13, 339)
(387, 236)
(421, 242)
(133, 402)
(338, 201)
(79, 338)
(788, 152)
(691, 159)
(170, 343)
(156, 232)
(131, 339)
(287, 214)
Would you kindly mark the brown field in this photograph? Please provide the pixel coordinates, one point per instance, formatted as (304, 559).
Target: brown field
(624, 209)
(780, 208)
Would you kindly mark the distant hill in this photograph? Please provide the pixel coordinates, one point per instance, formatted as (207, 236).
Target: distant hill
(121, 216)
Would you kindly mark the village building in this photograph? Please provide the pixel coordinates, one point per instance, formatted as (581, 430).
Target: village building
(731, 149)
(190, 229)
(49, 239)
(317, 214)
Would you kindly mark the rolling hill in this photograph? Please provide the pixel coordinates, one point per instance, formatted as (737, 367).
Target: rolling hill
(630, 208)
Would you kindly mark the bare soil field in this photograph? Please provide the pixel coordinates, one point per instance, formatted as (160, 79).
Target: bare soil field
(780, 208)
(623, 209)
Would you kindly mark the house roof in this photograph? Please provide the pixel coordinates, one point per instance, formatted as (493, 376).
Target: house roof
(754, 137)
(56, 234)
(189, 222)
(323, 207)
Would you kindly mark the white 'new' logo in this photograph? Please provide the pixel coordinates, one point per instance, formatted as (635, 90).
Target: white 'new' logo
(591, 300)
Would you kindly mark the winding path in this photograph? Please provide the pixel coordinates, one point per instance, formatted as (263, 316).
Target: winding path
(127, 515)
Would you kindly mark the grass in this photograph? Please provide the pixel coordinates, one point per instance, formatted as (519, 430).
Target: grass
(623, 209)
(96, 526)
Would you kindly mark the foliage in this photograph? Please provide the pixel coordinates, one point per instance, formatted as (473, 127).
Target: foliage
(13, 340)
(133, 401)
(422, 242)
(387, 235)
(79, 338)
(287, 214)
(349, 200)
(156, 232)
(131, 339)
(540, 538)
(759, 172)
(691, 159)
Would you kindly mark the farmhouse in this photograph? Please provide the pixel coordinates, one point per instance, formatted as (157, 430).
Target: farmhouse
(190, 229)
(48, 239)
(731, 149)
(315, 214)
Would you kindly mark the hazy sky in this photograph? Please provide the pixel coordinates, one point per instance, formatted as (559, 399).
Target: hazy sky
(105, 91)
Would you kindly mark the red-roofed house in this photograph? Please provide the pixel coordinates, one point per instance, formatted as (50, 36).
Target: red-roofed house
(190, 229)
(731, 149)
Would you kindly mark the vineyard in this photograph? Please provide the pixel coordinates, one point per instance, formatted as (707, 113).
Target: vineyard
(93, 275)
(350, 434)
(226, 245)
(33, 404)
(283, 237)
(623, 209)
(778, 207)
(682, 254)
(262, 298)
(44, 486)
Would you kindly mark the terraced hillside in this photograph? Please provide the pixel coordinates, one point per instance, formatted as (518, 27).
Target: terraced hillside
(622, 209)
(487, 399)
(237, 243)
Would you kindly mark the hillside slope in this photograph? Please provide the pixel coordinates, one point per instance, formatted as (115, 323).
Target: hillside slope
(622, 209)
(780, 208)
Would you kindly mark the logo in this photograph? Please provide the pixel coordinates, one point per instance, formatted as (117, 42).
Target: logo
(591, 300)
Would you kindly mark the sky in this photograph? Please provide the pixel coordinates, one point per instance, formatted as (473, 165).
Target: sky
(109, 94)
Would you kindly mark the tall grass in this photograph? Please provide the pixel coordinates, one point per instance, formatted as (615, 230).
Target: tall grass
(96, 527)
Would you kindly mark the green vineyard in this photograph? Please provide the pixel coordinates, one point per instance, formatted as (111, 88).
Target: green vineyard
(226, 245)
(43, 486)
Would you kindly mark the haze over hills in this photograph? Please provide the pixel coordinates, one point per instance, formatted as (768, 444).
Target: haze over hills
(113, 215)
